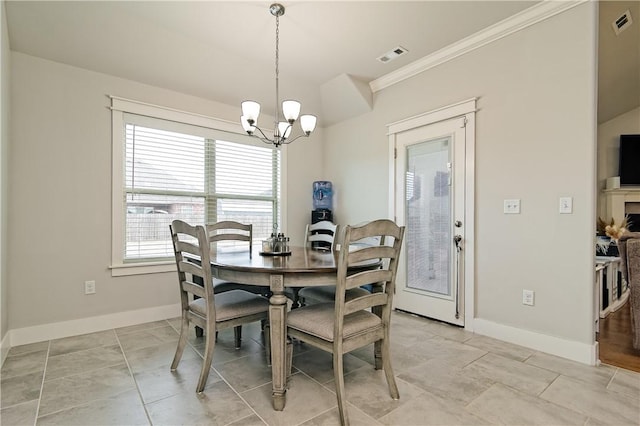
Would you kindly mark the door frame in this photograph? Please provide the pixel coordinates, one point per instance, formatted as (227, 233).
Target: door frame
(464, 109)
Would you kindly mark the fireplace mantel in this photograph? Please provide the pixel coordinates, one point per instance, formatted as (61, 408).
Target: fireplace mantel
(616, 198)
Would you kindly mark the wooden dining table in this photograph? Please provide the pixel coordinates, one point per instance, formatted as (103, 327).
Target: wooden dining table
(302, 267)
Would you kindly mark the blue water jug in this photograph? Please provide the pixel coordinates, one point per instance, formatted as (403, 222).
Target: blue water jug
(322, 195)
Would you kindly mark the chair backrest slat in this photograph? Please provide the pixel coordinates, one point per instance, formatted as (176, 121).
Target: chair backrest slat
(367, 277)
(193, 288)
(368, 253)
(228, 237)
(189, 267)
(365, 302)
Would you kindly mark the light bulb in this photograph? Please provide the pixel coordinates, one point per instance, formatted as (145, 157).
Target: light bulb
(284, 129)
(246, 126)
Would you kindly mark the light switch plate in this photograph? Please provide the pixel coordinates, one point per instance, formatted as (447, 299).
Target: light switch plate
(566, 205)
(512, 206)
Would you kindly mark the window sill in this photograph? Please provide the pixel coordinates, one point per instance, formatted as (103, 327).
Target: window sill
(122, 270)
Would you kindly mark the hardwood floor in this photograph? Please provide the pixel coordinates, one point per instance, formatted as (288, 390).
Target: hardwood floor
(615, 340)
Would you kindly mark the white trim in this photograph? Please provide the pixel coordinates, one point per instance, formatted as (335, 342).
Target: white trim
(284, 178)
(4, 347)
(117, 196)
(166, 113)
(439, 114)
(576, 351)
(124, 269)
(40, 333)
(392, 177)
(522, 20)
(469, 299)
(465, 109)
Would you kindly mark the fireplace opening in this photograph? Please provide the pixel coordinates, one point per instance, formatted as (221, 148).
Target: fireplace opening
(632, 211)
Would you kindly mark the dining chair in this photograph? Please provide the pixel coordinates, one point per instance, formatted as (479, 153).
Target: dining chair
(225, 235)
(317, 236)
(209, 311)
(232, 235)
(320, 235)
(322, 294)
(345, 325)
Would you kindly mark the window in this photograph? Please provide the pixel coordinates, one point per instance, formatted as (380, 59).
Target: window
(165, 169)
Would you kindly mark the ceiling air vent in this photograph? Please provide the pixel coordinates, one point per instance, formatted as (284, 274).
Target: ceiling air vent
(622, 23)
(392, 54)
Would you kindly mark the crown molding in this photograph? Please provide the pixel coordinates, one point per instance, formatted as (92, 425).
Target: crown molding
(537, 13)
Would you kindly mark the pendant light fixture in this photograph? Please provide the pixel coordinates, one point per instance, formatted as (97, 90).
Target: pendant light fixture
(290, 108)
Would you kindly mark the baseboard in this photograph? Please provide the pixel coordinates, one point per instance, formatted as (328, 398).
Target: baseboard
(576, 351)
(4, 348)
(57, 330)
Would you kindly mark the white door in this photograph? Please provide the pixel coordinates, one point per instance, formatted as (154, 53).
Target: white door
(430, 202)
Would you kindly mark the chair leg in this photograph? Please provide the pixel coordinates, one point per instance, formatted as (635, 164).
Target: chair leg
(267, 343)
(237, 334)
(296, 298)
(289, 357)
(377, 346)
(388, 370)
(210, 343)
(377, 355)
(182, 342)
(338, 374)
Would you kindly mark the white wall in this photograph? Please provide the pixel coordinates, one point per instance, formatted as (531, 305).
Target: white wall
(4, 170)
(535, 140)
(608, 149)
(60, 198)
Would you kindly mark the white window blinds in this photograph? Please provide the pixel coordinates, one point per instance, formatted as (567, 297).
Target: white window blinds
(199, 175)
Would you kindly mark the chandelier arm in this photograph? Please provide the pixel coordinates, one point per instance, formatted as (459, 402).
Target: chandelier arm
(264, 137)
(268, 141)
(288, 141)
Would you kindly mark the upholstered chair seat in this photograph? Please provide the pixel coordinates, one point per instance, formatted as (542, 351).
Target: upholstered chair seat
(319, 321)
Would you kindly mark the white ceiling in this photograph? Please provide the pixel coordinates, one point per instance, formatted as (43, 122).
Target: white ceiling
(225, 51)
(618, 61)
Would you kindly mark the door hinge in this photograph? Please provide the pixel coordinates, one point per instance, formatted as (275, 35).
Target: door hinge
(463, 122)
(395, 153)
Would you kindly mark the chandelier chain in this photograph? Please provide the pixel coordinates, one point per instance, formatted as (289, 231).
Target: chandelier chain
(277, 68)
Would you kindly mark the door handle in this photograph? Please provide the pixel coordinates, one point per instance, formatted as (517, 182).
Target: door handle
(458, 240)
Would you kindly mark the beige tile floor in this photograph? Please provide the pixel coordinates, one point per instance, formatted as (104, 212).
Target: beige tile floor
(446, 376)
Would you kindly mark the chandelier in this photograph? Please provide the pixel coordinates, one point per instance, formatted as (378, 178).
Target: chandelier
(290, 108)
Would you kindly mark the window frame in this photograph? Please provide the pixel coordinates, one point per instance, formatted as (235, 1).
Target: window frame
(120, 107)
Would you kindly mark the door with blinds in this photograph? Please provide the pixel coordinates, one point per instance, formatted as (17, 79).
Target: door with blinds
(430, 185)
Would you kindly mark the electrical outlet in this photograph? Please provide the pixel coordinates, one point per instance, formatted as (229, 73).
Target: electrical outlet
(512, 206)
(89, 287)
(527, 297)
